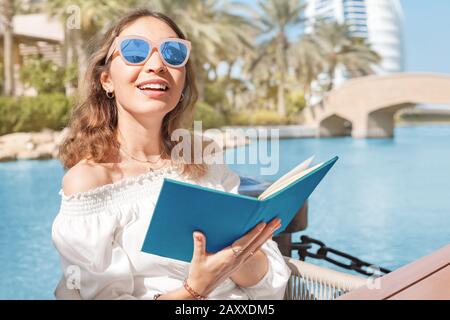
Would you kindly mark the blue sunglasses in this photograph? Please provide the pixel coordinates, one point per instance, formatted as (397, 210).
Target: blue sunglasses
(135, 50)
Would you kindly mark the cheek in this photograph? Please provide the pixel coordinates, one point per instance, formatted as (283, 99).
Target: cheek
(124, 77)
(178, 77)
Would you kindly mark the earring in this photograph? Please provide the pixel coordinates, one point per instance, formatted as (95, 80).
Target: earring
(182, 97)
(110, 95)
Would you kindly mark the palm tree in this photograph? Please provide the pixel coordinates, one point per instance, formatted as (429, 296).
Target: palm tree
(275, 18)
(336, 47)
(82, 20)
(307, 63)
(6, 21)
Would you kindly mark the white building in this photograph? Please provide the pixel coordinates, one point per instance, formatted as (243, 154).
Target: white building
(379, 21)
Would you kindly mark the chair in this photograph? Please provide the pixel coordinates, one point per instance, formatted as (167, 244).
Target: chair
(311, 282)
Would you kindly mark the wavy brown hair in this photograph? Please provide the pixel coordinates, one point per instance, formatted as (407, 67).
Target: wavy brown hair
(93, 124)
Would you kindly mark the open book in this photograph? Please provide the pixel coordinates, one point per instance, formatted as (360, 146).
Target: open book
(295, 174)
(223, 217)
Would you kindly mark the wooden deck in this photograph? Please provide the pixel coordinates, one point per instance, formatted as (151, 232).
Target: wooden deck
(426, 279)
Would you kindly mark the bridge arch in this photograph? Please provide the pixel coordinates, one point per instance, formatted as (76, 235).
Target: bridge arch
(335, 126)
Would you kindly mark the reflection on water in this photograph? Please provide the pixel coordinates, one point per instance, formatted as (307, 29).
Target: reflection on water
(385, 201)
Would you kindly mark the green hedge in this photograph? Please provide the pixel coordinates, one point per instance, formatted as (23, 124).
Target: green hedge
(210, 118)
(214, 119)
(32, 114)
(257, 118)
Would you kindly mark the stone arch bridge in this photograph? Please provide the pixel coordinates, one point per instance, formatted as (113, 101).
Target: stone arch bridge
(365, 107)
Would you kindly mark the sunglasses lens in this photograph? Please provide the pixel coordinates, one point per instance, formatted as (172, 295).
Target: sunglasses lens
(174, 52)
(134, 50)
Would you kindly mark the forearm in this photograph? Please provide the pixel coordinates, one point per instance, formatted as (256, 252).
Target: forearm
(252, 271)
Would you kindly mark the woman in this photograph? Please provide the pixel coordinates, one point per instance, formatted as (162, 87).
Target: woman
(139, 89)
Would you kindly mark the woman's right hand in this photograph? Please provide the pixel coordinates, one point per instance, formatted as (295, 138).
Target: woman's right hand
(208, 270)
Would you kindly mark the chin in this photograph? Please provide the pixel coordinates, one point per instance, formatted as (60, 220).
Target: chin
(152, 107)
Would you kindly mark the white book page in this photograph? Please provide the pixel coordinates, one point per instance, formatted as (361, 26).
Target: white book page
(294, 172)
(264, 195)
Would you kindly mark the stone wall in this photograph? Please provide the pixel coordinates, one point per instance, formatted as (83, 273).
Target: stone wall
(31, 145)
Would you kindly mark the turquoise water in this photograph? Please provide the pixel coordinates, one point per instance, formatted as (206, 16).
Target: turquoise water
(385, 201)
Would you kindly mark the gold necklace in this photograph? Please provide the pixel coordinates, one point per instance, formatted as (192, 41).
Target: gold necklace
(125, 151)
(139, 160)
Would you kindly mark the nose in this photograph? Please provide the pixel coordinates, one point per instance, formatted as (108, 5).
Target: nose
(155, 63)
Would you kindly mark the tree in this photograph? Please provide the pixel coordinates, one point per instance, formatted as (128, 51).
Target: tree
(275, 18)
(307, 63)
(335, 46)
(6, 21)
(41, 74)
(83, 21)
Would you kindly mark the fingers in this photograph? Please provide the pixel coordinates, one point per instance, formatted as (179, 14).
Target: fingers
(199, 246)
(248, 244)
(265, 235)
(244, 246)
(248, 238)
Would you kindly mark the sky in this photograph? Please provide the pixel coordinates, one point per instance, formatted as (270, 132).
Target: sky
(427, 35)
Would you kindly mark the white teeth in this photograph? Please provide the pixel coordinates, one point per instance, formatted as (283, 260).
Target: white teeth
(156, 86)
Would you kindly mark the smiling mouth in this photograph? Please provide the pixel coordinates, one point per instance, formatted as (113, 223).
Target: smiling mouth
(153, 87)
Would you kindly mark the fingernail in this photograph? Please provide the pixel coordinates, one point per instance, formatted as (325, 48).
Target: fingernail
(197, 236)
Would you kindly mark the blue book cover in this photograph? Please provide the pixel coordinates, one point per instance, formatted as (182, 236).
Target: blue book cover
(222, 217)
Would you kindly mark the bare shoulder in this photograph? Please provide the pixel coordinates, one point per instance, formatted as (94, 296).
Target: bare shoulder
(84, 176)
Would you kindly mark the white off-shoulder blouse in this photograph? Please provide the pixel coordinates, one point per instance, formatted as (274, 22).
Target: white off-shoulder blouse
(99, 233)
